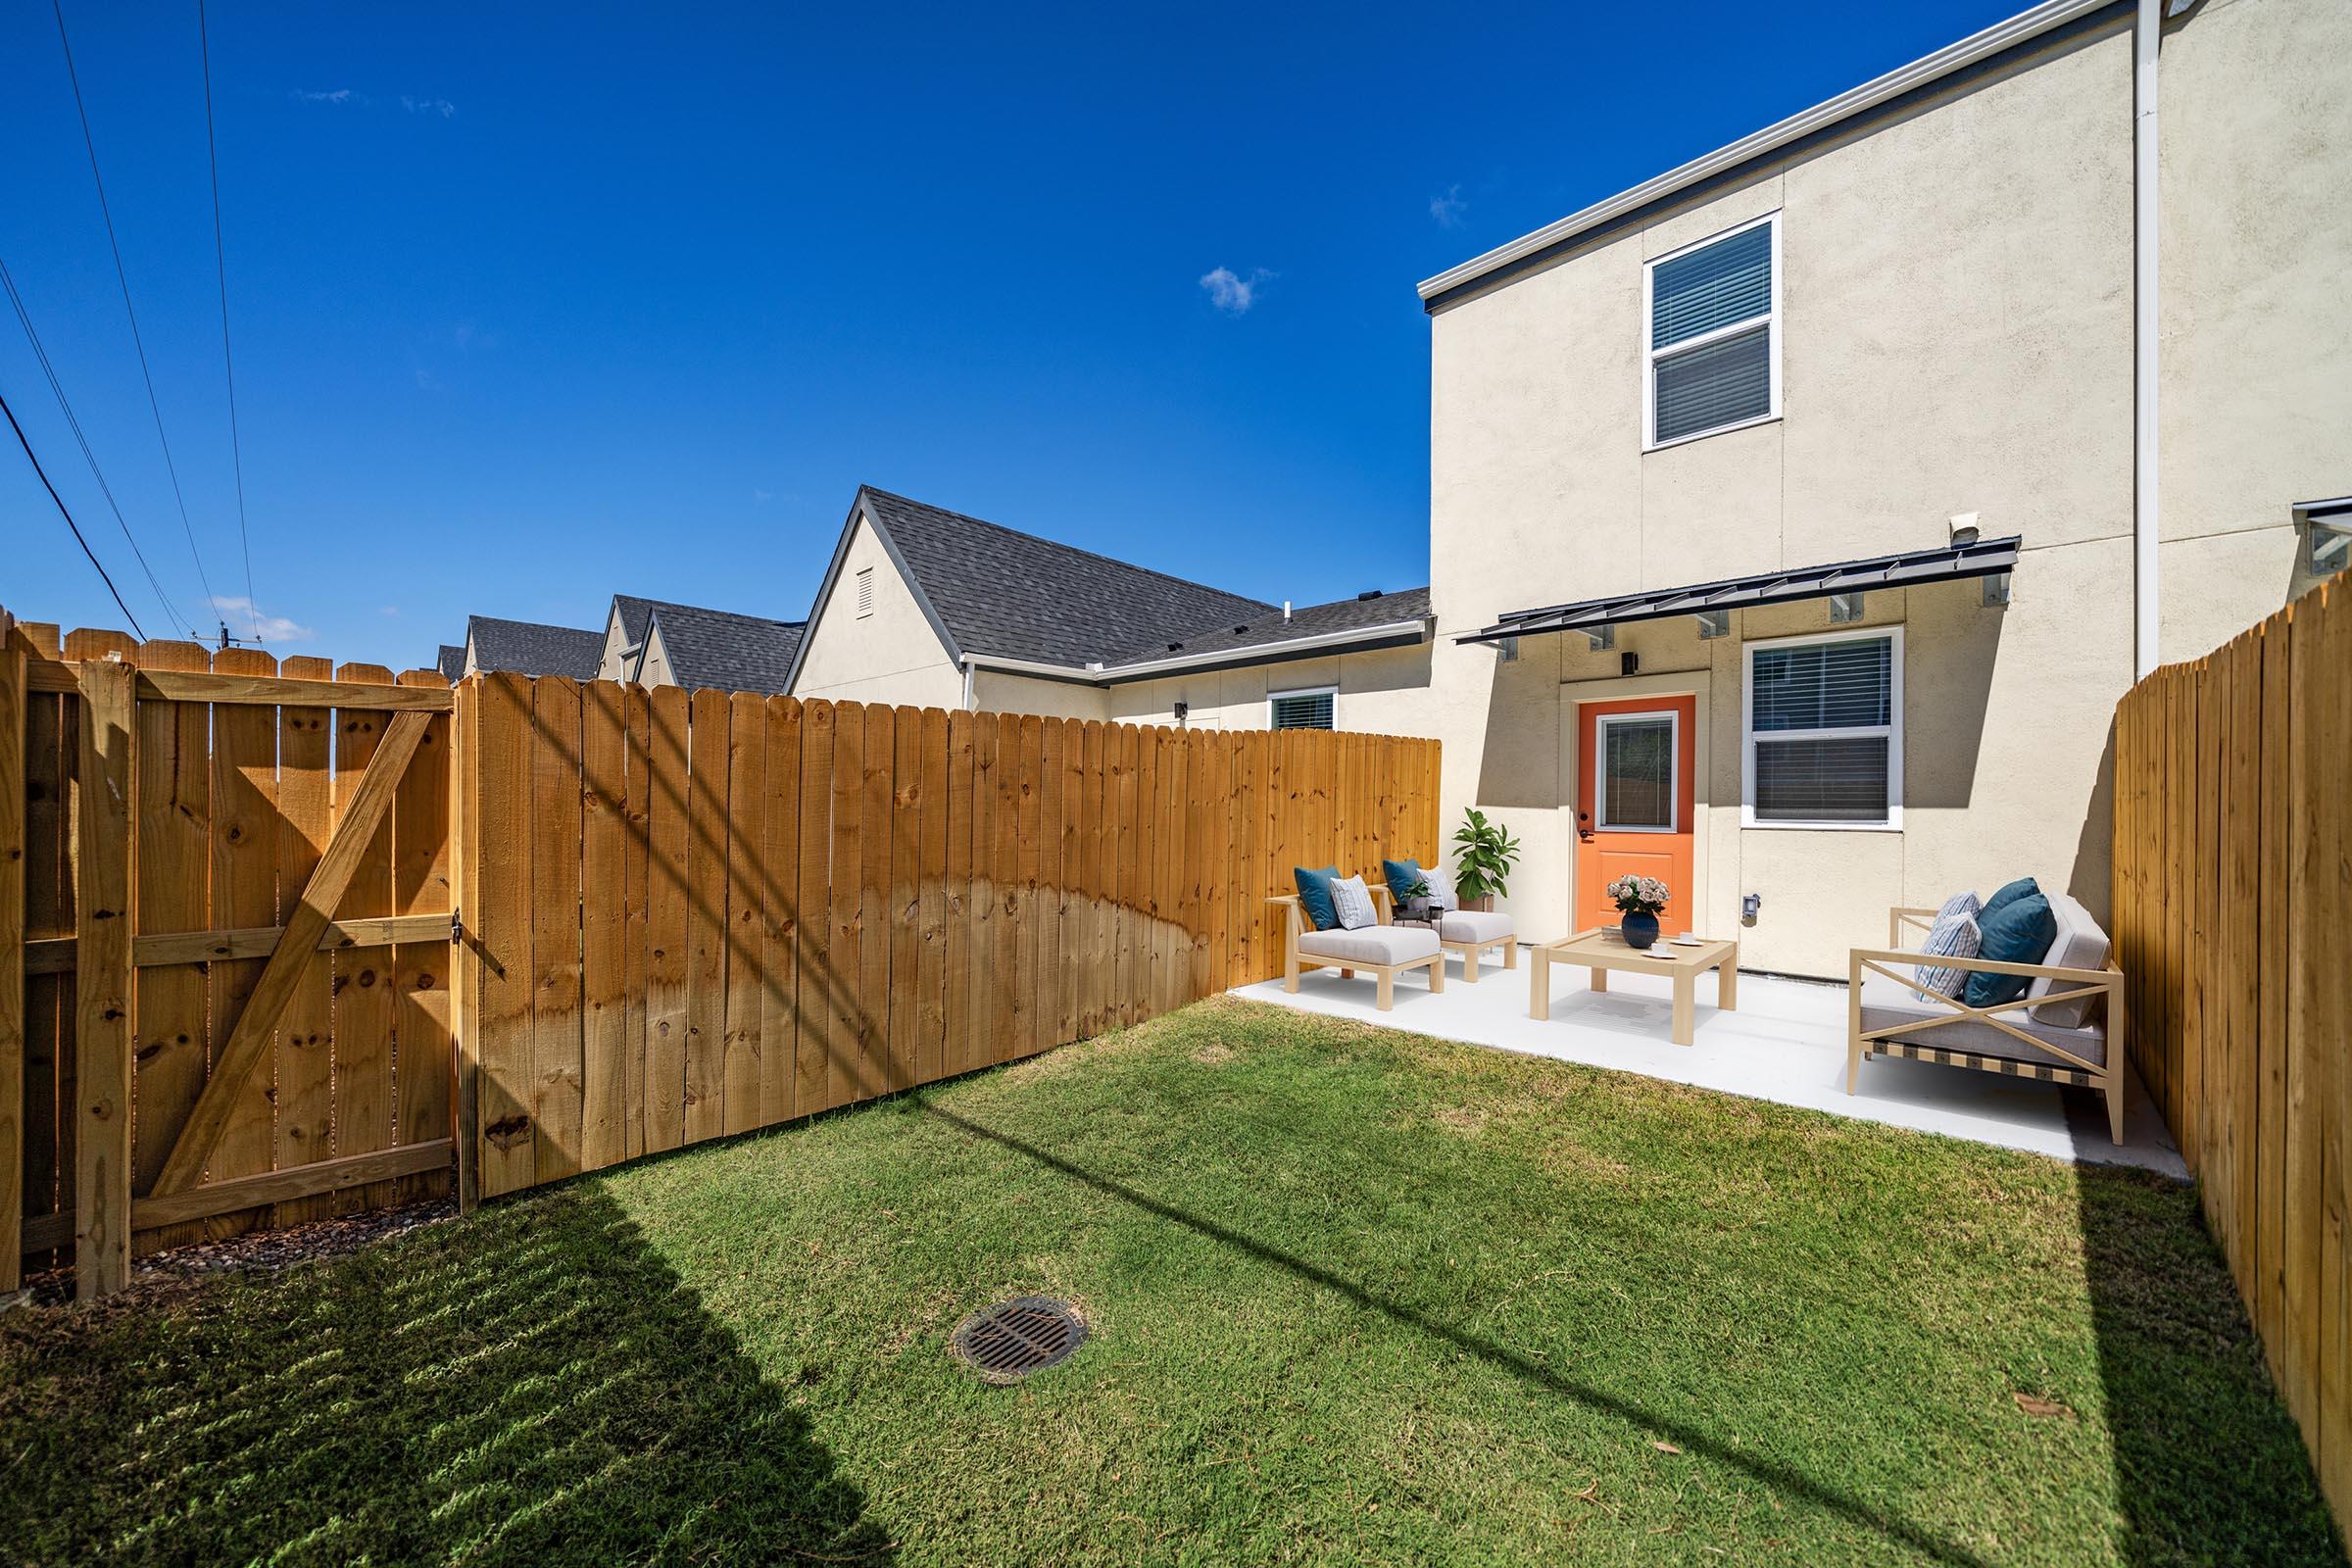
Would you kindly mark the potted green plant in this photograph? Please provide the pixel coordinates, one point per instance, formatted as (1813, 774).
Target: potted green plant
(1482, 857)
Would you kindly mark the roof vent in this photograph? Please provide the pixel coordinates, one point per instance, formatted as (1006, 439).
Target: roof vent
(1172, 647)
(1369, 593)
(1286, 609)
(1244, 627)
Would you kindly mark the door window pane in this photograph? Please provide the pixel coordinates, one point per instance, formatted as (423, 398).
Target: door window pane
(1636, 773)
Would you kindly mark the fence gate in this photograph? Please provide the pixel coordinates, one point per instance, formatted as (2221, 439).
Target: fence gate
(224, 895)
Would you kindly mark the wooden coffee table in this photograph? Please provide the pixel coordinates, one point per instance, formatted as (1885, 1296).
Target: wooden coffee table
(1601, 949)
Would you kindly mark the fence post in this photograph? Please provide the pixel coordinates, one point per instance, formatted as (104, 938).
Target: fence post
(12, 954)
(102, 1026)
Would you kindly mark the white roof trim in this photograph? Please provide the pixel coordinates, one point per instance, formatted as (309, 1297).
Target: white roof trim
(2020, 28)
(1241, 654)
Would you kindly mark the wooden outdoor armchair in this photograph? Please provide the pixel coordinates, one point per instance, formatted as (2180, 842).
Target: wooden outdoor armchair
(1347, 957)
(2002, 1038)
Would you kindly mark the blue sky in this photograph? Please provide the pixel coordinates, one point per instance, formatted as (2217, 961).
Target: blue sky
(529, 307)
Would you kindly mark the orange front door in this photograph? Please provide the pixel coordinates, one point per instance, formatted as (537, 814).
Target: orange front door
(1634, 789)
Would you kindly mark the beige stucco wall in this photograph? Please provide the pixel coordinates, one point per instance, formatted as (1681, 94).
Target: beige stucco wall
(1383, 691)
(1957, 337)
(2256, 367)
(998, 691)
(892, 656)
(613, 667)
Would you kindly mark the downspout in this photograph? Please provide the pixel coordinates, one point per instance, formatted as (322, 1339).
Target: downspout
(967, 685)
(2147, 25)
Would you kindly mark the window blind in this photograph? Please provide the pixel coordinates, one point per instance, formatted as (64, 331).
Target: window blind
(1837, 685)
(1716, 383)
(1637, 773)
(1304, 710)
(1820, 722)
(1728, 281)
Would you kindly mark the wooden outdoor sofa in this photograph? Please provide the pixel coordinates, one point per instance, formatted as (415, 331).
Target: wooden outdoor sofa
(1383, 950)
(2068, 1028)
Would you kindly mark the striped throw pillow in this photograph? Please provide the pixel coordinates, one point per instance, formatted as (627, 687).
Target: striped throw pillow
(1354, 902)
(1953, 936)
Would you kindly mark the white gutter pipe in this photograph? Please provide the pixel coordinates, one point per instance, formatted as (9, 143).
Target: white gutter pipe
(2147, 25)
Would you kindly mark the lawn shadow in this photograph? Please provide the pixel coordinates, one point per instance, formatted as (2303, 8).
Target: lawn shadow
(1791, 1483)
(2209, 1468)
(535, 1383)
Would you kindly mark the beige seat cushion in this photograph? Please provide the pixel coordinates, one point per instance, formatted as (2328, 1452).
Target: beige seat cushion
(1374, 944)
(1474, 925)
(1888, 1004)
(2080, 945)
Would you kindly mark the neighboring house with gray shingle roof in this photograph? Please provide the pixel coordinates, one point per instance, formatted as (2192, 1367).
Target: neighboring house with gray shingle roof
(662, 643)
(934, 608)
(451, 662)
(530, 648)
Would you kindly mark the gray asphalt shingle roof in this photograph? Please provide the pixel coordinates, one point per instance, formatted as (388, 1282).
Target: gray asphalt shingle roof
(528, 648)
(716, 648)
(1018, 596)
(1311, 620)
(451, 662)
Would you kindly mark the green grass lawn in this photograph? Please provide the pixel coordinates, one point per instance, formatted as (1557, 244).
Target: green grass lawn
(1356, 1297)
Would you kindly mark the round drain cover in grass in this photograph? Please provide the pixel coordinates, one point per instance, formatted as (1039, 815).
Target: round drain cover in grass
(1007, 1342)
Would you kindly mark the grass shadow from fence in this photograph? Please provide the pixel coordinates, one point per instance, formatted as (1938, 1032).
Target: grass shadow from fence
(2209, 1468)
(535, 1383)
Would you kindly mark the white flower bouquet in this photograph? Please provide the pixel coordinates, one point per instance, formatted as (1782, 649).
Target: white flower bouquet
(1638, 895)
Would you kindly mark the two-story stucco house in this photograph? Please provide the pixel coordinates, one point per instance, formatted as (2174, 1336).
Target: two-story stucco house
(1798, 517)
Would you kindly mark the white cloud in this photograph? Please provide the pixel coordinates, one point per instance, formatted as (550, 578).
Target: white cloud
(341, 95)
(763, 497)
(1448, 209)
(1232, 293)
(243, 619)
(429, 106)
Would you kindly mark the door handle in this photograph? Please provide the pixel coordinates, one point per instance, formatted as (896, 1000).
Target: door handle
(1584, 828)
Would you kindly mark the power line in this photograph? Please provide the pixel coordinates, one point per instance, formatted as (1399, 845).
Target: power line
(236, 450)
(68, 517)
(123, 277)
(40, 353)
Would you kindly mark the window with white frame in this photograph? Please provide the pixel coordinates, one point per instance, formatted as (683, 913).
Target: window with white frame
(1824, 732)
(1712, 336)
(1300, 709)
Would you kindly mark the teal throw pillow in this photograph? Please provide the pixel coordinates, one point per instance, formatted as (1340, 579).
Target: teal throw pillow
(2020, 931)
(1314, 896)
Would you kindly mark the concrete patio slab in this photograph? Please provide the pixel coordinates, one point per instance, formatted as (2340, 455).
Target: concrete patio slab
(1786, 1043)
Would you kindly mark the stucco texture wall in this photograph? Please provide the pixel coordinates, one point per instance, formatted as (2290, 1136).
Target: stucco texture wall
(2256, 365)
(892, 656)
(1384, 691)
(1957, 337)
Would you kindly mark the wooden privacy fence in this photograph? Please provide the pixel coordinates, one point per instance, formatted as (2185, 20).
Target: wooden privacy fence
(229, 886)
(224, 918)
(2232, 882)
(691, 914)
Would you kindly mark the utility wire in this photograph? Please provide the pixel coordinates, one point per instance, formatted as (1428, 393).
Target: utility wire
(236, 450)
(68, 517)
(171, 610)
(123, 277)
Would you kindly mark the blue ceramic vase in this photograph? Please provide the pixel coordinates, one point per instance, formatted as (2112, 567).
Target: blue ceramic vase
(1639, 930)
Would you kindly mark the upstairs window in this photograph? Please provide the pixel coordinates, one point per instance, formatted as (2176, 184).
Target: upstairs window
(1712, 337)
(1824, 731)
(1306, 709)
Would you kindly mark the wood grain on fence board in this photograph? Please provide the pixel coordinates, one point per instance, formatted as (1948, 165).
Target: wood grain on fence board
(706, 917)
(779, 880)
(669, 828)
(603, 925)
(422, 883)
(814, 986)
(746, 836)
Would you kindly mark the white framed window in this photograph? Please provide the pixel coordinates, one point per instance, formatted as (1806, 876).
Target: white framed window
(1822, 731)
(1309, 707)
(865, 591)
(1636, 772)
(1711, 335)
